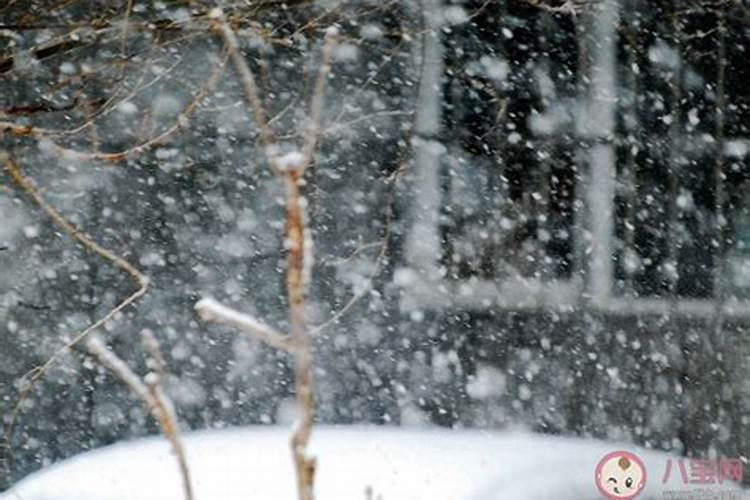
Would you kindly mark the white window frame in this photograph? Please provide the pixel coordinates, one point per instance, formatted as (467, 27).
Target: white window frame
(424, 284)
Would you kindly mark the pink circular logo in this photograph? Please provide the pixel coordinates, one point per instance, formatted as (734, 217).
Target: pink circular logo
(620, 475)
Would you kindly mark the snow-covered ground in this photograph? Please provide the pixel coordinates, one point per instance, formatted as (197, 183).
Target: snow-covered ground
(397, 464)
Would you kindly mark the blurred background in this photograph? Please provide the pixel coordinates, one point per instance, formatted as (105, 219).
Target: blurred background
(528, 214)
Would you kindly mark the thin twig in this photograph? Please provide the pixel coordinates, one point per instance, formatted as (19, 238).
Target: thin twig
(36, 374)
(103, 108)
(156, 359)
(125, 26)
(247, 80)
(166, 414)
(384, 244)
(361, 248)
(316, 104)
(571, 7)
(180, 123)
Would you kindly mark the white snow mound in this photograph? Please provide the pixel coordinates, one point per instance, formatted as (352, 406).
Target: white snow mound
(395, 463)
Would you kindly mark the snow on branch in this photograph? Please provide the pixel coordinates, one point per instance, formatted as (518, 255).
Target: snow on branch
(212, 310)
(110, 360)
(148, 390)
(297, 242)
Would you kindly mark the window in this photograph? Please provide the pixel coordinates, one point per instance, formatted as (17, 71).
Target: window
(555, 193)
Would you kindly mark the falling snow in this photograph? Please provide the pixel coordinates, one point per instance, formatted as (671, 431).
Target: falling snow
(517, 216)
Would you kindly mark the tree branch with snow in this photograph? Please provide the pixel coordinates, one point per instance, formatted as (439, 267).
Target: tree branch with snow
(211, 310)
(150, 391)
(297, 242)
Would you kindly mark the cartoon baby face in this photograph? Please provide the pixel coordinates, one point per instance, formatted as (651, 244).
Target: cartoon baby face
(620, 475)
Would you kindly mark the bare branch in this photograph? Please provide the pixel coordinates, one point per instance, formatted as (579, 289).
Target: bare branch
(211, 310)
(384, 245)
(298, 244)
(85, 240)
(156, 359)
(247, 79)
(165, 414)
(150, 392)
(124, 36)
(180, 123)
(316, 104)
(36, 374)
(117, 366)
(299, 265)
(69, 41)
(23, 130)
(571, 7)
